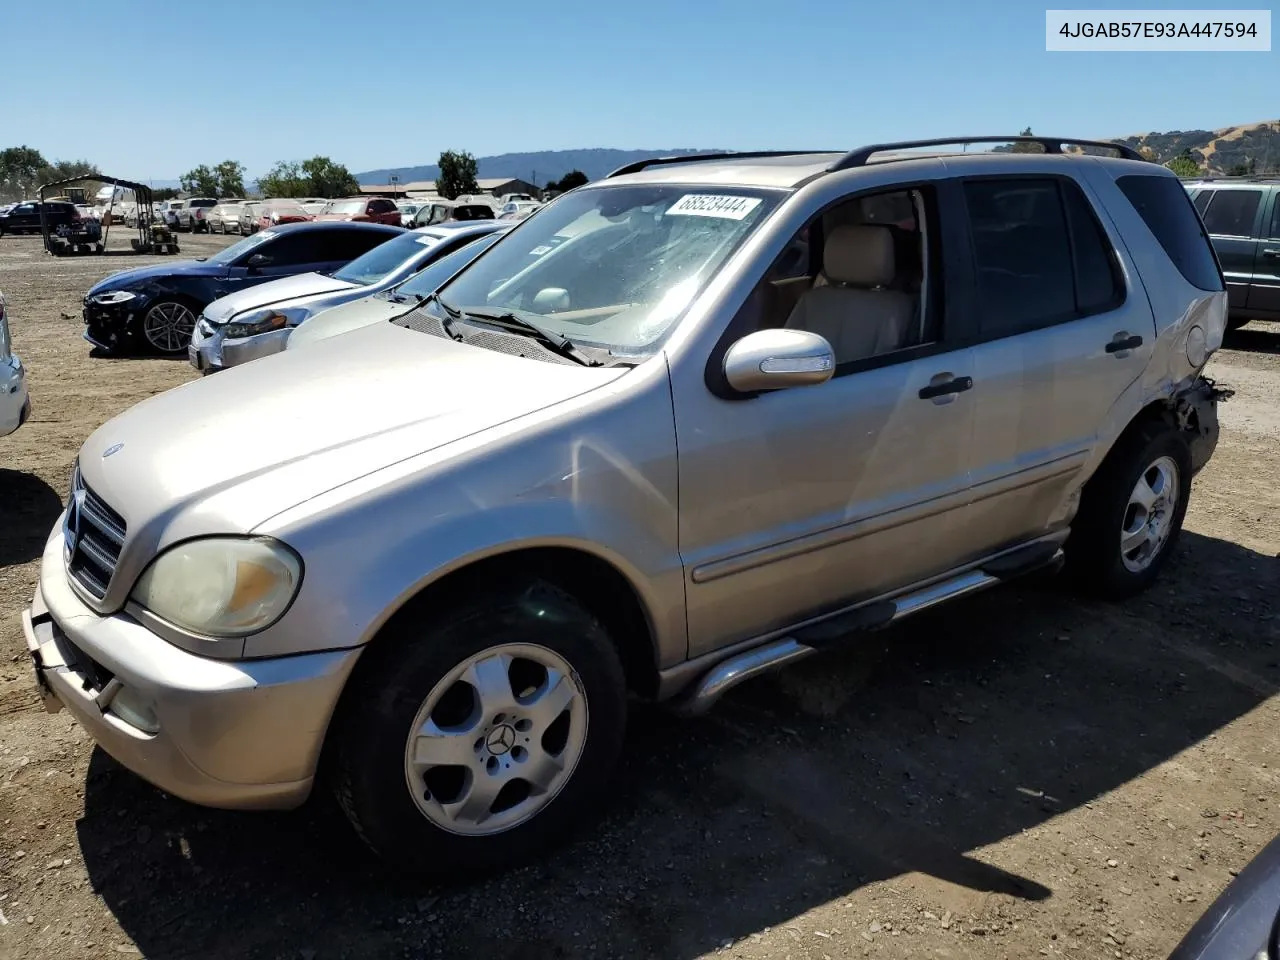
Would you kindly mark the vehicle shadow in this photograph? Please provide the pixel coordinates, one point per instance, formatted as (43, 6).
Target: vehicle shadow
(1259, 338)
(899, 755)
(28, 508)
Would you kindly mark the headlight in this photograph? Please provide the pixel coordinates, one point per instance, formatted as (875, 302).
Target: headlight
(114, 296)
(1197, 347)
(221, 586)
(263, 321)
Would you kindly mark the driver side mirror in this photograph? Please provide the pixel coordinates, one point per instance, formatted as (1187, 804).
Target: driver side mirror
(258, 260)
(776, 359)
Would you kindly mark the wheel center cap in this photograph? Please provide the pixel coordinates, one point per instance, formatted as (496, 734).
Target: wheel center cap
(500, 740)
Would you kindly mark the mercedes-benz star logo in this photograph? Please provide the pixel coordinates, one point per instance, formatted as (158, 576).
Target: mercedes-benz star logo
(500, 740)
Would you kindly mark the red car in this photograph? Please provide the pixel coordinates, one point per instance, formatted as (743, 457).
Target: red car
(363, 209)
(272, 213)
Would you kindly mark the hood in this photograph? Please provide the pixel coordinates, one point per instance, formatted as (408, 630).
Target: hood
(272, 293)
(345, 318)
(225, 453)
(129, 278)
(336, 216)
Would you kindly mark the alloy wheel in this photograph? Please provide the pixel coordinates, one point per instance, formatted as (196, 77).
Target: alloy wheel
(496, 739)
(168, 327)
(1149, 515)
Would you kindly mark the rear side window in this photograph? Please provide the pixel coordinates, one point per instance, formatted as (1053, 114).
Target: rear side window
(1202, 200)
(1040, 254)
(1275, 218)
(349, 244)
(1167, 211)
(1231, 212)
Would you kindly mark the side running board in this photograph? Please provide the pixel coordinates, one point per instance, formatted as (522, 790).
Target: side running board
(848, 625)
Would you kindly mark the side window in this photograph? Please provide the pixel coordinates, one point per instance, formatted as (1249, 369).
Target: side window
(858, 274)
(1232, 213)
(349, 244)
(291, 249)
(1167, 211)
(1202, 199)
(1022, 255)
(1099, 283)
(1274, 232)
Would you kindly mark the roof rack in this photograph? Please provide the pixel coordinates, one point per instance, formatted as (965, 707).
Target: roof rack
(860, 156)
(695, 157)
(1242, 178)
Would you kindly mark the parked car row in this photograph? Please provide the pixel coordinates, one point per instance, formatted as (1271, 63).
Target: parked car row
(156, 307)
(259, 321)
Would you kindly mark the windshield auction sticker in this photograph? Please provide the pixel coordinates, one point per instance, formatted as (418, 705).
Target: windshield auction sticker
(1187, 31)
(713, 205)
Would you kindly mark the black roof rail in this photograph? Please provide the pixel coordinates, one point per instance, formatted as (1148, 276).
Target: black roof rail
(860, 156)
(695, 157)
(1235, 178)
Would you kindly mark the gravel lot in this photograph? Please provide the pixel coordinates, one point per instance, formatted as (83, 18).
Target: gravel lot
(1022, 775)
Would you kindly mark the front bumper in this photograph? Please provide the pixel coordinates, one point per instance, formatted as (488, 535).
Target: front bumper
(211, 350)
(233, 734)
(108, 325)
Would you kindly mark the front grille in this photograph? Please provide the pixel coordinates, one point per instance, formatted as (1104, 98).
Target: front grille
(94, 535)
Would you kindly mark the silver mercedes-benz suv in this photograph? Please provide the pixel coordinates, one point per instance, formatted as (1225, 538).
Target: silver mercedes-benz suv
(748, 407)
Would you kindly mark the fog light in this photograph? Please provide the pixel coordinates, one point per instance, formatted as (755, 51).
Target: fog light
(130, 707)
(1197, 347)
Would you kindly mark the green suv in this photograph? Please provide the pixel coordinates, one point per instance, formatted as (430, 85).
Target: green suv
(1243, 221)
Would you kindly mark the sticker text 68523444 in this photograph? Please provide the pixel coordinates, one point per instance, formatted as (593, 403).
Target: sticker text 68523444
(723, 206)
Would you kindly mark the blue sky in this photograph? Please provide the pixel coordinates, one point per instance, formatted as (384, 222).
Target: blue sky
(287, 79)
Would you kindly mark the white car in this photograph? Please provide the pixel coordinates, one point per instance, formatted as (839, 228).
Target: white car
(15, 403)
(393, 301)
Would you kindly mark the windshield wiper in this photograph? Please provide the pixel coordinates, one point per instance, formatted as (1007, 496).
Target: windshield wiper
(451, 312)
(516, 324)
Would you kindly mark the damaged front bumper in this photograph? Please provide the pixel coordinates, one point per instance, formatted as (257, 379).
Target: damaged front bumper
(1195, 411)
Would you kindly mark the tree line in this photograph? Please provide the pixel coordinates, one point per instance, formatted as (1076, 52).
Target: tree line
(24, 169)
(458, 176)
(317, 177)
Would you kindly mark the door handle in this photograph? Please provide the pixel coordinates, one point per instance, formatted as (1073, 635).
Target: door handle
(1123, 344)
(1271, 254)
(945, 387)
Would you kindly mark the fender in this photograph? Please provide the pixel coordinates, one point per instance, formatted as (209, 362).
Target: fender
(562, 483)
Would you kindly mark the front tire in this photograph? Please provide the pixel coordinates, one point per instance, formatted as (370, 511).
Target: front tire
(167, 327)
(1131, 513)
(474, 743)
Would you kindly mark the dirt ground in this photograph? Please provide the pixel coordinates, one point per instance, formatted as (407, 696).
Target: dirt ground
(1022, 775)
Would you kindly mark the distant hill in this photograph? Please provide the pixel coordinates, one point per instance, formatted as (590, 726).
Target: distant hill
(536, 167)
(1252, 146)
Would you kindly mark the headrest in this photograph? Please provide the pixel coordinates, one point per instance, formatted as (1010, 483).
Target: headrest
(861, 255)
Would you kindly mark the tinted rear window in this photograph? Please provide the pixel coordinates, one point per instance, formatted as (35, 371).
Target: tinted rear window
(1166, 209)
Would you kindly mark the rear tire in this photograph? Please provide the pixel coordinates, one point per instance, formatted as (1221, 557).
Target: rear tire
(1131, 513)
(454, 709)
